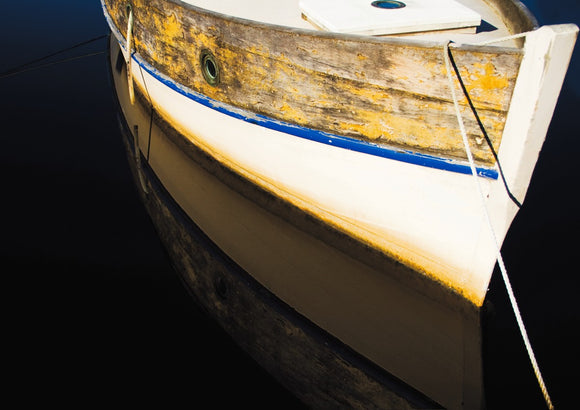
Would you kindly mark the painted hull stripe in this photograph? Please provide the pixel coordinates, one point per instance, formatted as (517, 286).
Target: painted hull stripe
(316, 135)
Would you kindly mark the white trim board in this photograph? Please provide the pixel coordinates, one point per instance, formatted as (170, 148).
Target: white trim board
(360, 17)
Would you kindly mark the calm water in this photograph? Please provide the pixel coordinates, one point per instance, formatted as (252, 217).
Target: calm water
(93, 311)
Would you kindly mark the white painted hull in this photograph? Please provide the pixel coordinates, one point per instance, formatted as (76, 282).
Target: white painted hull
(376, 314)
(430, 219)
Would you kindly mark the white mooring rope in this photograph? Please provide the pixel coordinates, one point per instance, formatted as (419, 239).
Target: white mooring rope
(128, 56)
(493, 234)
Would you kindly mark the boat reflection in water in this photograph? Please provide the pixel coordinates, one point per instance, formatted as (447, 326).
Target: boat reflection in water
(343, 309)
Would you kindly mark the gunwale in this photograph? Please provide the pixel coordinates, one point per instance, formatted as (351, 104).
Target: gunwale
(422, 122)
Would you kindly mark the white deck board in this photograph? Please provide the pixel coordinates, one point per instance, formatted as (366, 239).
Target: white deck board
(288, 13)
(361, 17)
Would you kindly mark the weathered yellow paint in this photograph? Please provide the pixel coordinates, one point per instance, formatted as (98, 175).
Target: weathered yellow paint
(287, 110)
(393, 94)
(486, 83)
(370, 125)
(490, 80)
(172, 28)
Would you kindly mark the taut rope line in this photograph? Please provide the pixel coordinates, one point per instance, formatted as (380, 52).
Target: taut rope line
(128, 56)
(499, 257)
(31, 65)
(150, 112)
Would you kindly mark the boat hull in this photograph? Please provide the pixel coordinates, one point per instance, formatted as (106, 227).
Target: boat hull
(358, 298)
(351, 270)
(419, 208)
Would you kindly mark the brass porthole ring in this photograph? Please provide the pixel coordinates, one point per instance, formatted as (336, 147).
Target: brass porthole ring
(209, 67)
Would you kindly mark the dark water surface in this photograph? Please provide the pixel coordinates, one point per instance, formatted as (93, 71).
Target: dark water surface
(93, 312)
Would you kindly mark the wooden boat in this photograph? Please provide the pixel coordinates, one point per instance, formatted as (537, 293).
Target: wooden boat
(314, 189)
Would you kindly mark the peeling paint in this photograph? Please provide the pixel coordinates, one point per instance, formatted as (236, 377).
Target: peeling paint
(385, 92)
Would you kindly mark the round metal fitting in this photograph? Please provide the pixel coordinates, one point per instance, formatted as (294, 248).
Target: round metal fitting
(209, 67)
(388, 4)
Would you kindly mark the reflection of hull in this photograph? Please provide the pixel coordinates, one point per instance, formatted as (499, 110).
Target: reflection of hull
(355, 276)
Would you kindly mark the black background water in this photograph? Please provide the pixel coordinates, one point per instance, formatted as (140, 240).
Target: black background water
(93, 313)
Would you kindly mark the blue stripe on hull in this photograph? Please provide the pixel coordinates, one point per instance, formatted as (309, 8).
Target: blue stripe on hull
(319, 136)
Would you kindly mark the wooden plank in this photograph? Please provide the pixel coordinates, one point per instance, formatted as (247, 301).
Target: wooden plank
(387, 91)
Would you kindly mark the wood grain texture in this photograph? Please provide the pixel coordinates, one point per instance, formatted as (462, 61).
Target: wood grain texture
(392, 92)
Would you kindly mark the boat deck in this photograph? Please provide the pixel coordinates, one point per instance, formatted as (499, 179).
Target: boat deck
(287, 13)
